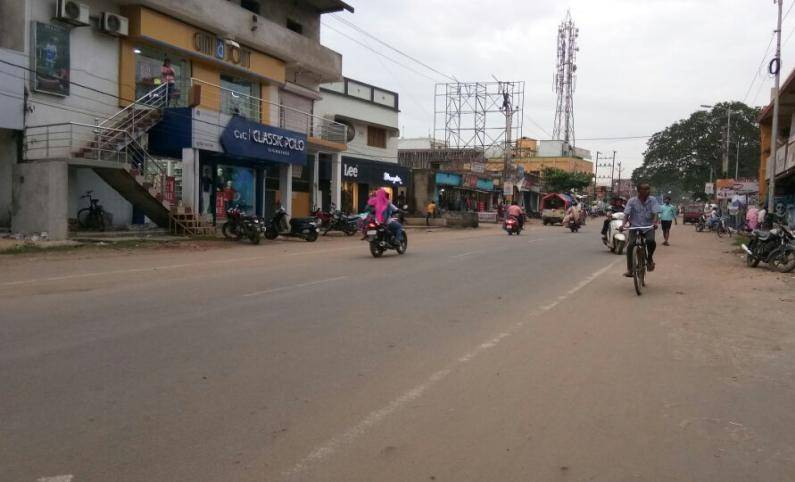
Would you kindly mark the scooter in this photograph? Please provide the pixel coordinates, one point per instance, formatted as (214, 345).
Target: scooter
(615, 241)
(512, 226)
(304, 228)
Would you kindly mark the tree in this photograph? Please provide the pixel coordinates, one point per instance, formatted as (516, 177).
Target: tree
(679, 158)
(558, 180)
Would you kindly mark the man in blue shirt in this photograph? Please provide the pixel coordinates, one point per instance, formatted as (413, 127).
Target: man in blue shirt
(641, 211)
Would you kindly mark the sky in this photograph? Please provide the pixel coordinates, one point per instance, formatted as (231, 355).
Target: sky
(642, 64)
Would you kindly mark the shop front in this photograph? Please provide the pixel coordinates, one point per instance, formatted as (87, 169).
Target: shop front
(464, 192)
(360, 177)
(247, 164)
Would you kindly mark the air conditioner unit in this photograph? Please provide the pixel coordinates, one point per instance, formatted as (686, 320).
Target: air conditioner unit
(115, 24)
(72, 12)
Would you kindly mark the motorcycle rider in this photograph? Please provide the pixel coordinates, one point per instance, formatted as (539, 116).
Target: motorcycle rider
(606, 223)
(572, 214)
(384, 212)
(515, 211)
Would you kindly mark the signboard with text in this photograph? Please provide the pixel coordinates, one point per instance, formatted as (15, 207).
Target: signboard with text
(246, 138)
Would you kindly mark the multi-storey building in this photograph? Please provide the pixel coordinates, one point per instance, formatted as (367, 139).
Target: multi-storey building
(371, 161)
(164, 106)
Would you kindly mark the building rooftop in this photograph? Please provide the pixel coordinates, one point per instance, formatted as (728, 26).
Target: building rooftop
(330, 6)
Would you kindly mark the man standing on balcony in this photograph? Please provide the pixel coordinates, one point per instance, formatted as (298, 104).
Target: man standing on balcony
(169, 77)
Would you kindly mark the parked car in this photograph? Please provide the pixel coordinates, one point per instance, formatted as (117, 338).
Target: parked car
(692, 212)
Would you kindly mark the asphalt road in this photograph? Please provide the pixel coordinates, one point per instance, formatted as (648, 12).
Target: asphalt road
(475, 356)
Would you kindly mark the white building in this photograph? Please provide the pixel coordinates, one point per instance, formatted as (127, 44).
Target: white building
(101, 115)
(371, 161)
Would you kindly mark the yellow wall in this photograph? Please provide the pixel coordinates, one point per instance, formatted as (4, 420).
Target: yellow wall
(300, 204)
(146, 24)
(210, 98)
(126, 72)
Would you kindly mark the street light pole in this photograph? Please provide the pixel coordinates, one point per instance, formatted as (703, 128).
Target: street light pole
(725, 171)
(771, 161)
(737, 163)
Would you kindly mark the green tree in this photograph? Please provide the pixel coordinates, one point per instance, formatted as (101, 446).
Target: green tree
(558, 180)
(679, 158)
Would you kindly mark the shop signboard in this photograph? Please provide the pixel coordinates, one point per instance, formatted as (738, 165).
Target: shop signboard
(709, 188)
(448, 179)
(485, 184)
(246, 138)
(478, 167)
(50, 58)
(350, 170)
(170, 194)
(220, 209)
(392, 178)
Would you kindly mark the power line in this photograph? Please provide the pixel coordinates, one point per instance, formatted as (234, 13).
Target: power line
(414, 59)
(380, 53)
(759, 69)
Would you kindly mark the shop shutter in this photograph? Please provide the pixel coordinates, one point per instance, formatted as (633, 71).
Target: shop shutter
(295, 112)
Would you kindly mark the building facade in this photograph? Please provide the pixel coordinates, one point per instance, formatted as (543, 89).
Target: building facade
(780, 164)
(156, 105)
(370, 114)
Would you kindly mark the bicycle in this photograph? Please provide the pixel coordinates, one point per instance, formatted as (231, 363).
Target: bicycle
(639, 256)
(722, 227)
(92, 217)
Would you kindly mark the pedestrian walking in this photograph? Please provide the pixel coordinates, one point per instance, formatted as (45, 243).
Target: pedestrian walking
(430, 212)
(667, 217)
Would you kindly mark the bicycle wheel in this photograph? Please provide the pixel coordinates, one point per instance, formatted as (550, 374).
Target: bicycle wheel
(82, 218)
(638, 269)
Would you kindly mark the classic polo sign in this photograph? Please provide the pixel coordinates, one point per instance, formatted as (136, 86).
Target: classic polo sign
(246, 138)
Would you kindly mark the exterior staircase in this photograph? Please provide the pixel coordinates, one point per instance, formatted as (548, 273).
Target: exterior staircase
(114, 151)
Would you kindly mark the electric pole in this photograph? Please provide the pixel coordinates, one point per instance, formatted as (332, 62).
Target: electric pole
(771, 162)
(507, 109)
(613, 172)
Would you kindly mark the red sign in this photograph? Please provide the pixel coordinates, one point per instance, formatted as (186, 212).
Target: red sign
(220, 212)
(170, 195)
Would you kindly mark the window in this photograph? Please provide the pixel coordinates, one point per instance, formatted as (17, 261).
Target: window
(250, 5)
(295, 26)
(240, 97)
(149, 75)
(376, 137)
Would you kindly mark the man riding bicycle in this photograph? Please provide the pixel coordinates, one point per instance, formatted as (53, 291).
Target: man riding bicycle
(640, 211)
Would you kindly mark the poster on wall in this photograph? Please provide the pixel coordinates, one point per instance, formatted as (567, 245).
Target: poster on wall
(51, 58)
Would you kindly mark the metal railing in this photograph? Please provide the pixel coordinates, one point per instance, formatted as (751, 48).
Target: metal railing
(271, 113)
(73, 139)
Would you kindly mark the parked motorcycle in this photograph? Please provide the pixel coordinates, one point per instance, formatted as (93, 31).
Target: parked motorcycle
(512, 226)
(381, 239)
(238, 225)
(775, 247)
(615, 240)
(323, 217)
(342, 222)
(304, 228)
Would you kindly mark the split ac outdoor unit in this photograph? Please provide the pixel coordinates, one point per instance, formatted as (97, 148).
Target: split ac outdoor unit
(115, 24)
(72, 12)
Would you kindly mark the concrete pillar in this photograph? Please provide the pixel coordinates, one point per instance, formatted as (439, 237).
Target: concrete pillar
(191, 179)
(286, 187)
(8, 159)
(41, 199)
(316, 197)
(336, 179)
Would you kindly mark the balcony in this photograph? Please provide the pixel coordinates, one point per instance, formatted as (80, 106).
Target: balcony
(318, 129)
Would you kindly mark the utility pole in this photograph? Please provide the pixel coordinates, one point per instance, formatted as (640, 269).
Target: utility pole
(725, 170)
(771, 162)
(613, 172)
(737, 164)
(619, 178)
(595, 174)
(507, 109)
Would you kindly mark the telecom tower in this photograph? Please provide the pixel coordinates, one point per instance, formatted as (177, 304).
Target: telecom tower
(565, 80)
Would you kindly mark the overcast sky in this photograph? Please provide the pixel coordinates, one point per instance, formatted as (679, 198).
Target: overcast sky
(642, 64)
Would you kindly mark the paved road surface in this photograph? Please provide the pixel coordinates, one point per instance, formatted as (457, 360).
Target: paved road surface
(476, 356)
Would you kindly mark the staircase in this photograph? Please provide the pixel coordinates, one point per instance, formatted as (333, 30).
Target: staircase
(115, 145)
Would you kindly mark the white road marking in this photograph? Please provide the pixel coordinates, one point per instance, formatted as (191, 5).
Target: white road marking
(347, 437)
(300, 285)
(57, 478)
(468, 253)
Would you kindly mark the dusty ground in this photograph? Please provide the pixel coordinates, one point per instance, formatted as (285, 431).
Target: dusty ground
(476, 356)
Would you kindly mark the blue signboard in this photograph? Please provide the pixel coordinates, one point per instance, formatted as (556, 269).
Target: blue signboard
(448, 179)
(485, 184)
(246, 138)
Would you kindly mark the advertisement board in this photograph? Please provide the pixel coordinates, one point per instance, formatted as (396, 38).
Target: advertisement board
(50, 58)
